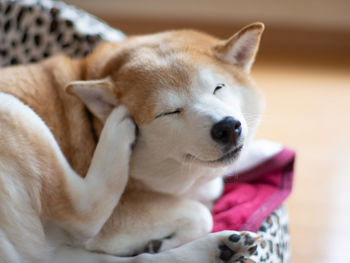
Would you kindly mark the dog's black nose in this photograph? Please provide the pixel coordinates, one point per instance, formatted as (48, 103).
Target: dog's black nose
(227, 131)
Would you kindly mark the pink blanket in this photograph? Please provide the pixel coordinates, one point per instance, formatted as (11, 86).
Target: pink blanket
(253, 192)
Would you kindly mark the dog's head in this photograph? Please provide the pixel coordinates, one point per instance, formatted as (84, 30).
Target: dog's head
(189, 93)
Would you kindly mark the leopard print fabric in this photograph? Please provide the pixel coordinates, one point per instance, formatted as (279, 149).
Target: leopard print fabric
(31, 30)
(274, 247)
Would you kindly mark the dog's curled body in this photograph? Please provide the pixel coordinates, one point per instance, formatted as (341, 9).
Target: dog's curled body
(196, 108)
(38, 185)
(41, 87)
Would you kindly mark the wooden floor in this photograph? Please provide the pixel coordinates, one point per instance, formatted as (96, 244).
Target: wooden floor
(308, 109)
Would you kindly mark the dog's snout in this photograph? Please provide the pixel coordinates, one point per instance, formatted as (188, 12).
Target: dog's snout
(226, 131)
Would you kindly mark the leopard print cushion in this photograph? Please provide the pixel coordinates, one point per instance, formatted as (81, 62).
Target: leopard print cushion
(275, 239)
(31, 30)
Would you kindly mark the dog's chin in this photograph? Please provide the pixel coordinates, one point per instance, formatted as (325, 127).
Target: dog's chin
(225, 160)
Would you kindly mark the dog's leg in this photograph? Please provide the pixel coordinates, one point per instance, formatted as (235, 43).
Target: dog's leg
(66, 254)
(94, 197)
(221, 247)
(158, 226)
(79, 205)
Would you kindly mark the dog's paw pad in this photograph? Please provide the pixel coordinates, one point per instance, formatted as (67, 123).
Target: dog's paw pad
(239, 246)
(235, 238)
(225, 253)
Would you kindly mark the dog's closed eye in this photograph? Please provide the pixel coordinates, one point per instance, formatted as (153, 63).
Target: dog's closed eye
(219, 86)
(177, 111)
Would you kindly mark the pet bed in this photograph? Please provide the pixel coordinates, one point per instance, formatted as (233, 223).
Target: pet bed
(31, 30)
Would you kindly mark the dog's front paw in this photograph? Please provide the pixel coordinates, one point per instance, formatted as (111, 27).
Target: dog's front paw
(238, 246)
(120, 127)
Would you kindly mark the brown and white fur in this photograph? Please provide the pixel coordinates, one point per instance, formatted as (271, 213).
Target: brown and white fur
(64, 196)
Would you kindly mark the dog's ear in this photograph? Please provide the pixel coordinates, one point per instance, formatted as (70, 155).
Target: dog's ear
(97, 95)
(241, 48)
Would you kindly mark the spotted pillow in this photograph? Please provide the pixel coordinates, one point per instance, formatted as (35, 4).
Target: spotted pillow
(33, 30)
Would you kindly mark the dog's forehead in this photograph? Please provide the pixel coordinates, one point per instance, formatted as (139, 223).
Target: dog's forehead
(207, 77)
(158, 66)
(165, 70)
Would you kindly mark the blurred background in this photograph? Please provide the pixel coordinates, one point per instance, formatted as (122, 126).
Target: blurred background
(304, 70)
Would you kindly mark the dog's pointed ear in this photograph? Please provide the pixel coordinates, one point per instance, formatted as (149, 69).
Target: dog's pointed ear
(97, 95)
(242, 47)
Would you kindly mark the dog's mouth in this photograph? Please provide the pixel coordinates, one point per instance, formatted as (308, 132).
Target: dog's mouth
(227, 158)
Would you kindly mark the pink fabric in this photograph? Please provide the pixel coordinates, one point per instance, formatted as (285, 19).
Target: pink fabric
(251, 196)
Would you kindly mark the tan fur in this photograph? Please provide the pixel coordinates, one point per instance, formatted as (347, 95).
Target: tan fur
(139, 68)
(42, 87)
(134, 77)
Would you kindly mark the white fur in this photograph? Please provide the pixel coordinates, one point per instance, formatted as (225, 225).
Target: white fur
(21, 230)
(169, 138)
(186, 221)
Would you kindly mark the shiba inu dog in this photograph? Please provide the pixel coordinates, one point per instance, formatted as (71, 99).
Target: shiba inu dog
(71, 186)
